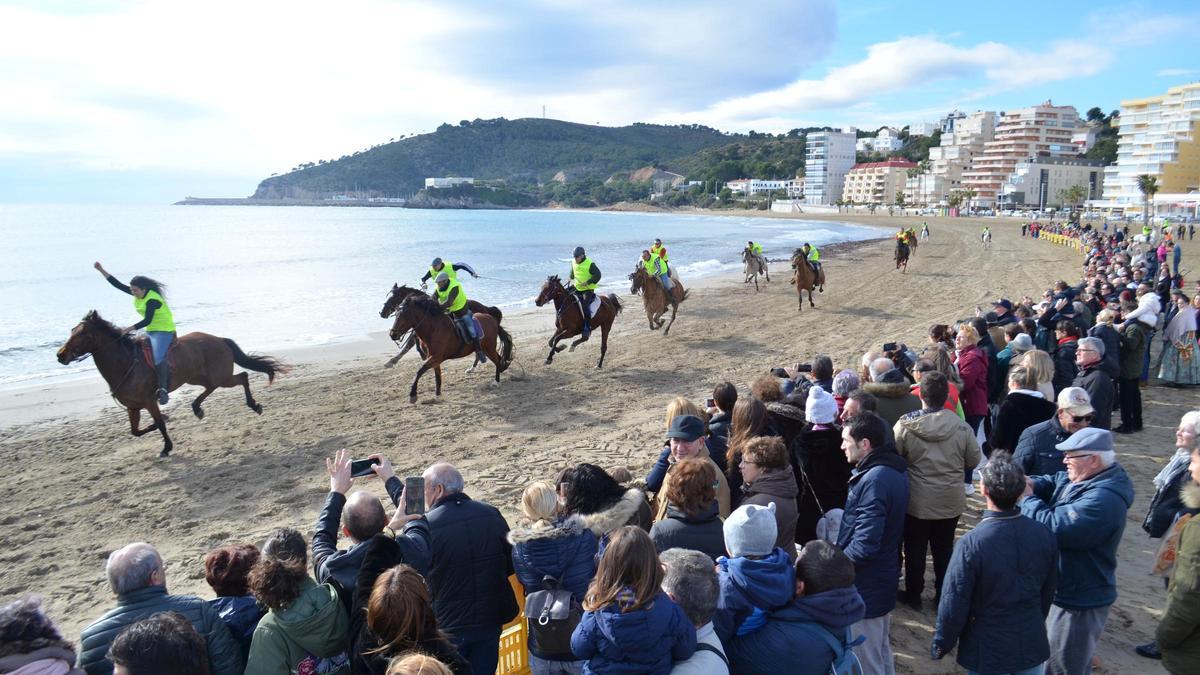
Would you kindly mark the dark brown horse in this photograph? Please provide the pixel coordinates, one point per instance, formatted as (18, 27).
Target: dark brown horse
(398, 294)
(569, 321)
(805, 279)
(436, 332)
(655, 299)
(902, 253)
(196, 358)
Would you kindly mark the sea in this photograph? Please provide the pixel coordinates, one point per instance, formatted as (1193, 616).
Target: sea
(286, 277)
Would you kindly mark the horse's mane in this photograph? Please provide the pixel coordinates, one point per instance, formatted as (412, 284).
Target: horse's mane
(108, 330)
(408, 290)
(425, 303)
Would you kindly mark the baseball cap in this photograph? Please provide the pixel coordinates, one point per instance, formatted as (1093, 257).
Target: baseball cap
(688, 427)
(1076, 401)
(1089, 439)
(1003, 302)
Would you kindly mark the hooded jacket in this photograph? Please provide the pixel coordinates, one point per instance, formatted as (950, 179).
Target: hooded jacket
(746, 585)
(1088, 519)
(786, 418)
(565, 551)
(784, 640)
(1099, 386)
(241, 615)
(973, 369)
(939, 447)
(873, 526)
(314, 628)
(631, 509)
(1133, 349)
(893, 399)
(701, 532)
(998, 589)
(822, 475)
(1018, 412)
(646, 640)
(1064, 364)
(778, 486)
(1035, 449)
(1178, 632)
(1112, 348)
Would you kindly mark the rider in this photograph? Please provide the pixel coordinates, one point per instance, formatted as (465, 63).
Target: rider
(149, 302)
(437, 267)
(656, 267)
(756, 250)
(586, 276)
(987, 233)
(924, 230)
(813, 255)
(452, 298)
(661, 251)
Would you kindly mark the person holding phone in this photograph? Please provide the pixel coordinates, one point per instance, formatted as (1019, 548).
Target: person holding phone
(150, 302)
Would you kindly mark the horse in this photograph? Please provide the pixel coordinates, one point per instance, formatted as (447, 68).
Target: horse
(902, 253)
(654, 297)
(435, 330)
(912, 243)
(986, 239)
(569, 320)
(805, 279)
(196, 358)
(753, 266)
(398, 294)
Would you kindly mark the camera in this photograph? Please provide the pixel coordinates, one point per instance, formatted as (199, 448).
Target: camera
(889, 346)
(803, 368)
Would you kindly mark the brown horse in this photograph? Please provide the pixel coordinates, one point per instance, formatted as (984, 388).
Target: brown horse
(902, 253)
(569, 321)
(654, 297)
(398, 294)
(436, 332)
(805, 279)
(196, 358)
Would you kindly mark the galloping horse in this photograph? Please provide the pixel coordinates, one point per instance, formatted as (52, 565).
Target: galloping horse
(398, 294)
(805, 279)
(654, 297)
(752, 266)
(902, 253)
(435, 330)
(569, 321)
(912, 243)
(196, 358)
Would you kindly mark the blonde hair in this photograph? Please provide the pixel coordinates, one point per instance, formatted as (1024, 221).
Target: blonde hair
(1039, 364)
(416, 663)
(969, 330)
(682, 406)
(539, 503)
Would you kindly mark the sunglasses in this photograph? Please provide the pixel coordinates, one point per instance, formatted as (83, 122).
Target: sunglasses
(1076, 457)
(1081, 418)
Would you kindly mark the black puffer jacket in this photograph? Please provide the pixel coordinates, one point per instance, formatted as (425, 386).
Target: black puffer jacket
(224, 654)
(701, 532)
(822, 476)
(1099, 386)
(472, 560)
(1064, 365)
(787, 417)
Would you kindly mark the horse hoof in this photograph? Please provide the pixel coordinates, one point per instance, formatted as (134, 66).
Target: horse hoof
(412, 398)
(257, 408)
(548, 361)
(199, 413)
(166, 452)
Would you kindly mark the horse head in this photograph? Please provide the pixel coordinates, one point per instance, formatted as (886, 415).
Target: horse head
(90, 334)
(404, 320)
(637, 279)
(395, 297)
(552, 289)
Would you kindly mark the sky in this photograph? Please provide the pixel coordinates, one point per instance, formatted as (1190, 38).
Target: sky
(128, 101)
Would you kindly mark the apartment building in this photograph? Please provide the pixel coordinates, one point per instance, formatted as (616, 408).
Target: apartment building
(885, 142)
(1044, 129)
(1158, 136)
(963, 137)
(876, 182)
(1037, 181)
(828, 157)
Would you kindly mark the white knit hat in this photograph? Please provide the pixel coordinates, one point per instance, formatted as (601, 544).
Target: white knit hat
(820, 408)
(750, 530)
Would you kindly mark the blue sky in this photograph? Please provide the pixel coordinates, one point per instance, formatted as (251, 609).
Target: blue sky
(148, 102)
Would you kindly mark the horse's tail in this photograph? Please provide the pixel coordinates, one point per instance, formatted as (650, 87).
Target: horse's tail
(685, 295)
(257, 362)
(617, 307)
(496, 313)
(506, 348)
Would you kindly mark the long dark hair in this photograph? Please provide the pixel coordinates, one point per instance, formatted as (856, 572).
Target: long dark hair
(149, 284)
(589, 489)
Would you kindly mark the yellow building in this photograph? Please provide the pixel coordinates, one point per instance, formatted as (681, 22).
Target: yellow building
(1159, 136)
(876, 182)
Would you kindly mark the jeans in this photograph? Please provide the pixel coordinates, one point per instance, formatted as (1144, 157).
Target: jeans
(666, 281)
(920, 535)
(1130, 396)
(538, 666)
(479, 646)
(1073, 635)
(973, 421)
(160, 341)
(875, 653)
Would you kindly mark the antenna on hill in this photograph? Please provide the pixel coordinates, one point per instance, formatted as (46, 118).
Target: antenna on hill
(543, 111)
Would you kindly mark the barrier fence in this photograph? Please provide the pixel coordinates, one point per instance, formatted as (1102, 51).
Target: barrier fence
(1062, 240)
(514, 640)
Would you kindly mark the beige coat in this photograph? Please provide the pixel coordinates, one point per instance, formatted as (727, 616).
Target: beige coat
(939, 448)
(660, 499)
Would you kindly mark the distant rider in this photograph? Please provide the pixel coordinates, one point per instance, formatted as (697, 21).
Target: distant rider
(149, 302)
(586, 276)
(925, 231)
(661, 251)
(451, 297)
(756, 250)
(437, 267)
(813, 256)
(657, 268)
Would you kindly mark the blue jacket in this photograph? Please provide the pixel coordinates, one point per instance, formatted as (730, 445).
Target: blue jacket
(646, 640)
(240, 614)
(782, 640)
(747, 585)
(1088, 519)
(566, 552)
(1035, 450)
(873, 526)
(996, 595)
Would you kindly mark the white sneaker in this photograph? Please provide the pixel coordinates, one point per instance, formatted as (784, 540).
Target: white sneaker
(969, 488)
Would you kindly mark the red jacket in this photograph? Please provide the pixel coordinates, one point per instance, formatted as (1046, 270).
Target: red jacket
(972, 369)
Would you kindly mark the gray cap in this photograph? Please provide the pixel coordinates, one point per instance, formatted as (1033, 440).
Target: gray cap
(442, 277)
(1021, 343)
(1089, 439)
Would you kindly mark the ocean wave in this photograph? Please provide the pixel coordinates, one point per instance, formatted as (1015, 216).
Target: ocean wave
(705, 267)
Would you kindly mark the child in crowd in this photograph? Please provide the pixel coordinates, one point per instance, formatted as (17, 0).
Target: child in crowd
(756, 577)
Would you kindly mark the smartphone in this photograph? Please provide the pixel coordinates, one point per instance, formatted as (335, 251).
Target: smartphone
(362, 467)
(889, 346)
(710, 403)
(414, 495)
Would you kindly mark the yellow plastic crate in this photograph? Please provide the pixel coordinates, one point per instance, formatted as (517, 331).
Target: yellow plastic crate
(514, 648)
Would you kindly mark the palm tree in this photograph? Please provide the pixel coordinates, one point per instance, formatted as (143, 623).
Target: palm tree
(924, 166)
(967, 195)
(913, 173)
(1072, 196)
(1148, 185)
(955, 199)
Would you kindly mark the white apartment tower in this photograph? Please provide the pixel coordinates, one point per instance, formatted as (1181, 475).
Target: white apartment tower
(1158, 136)
(963, 137)
(828, 157)
(1045, 130)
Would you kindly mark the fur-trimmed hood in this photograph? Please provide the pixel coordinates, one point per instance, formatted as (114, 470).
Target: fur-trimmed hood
(887, 389)
(787, 410)
(525, 533)
(1190, 494)
(617, 515)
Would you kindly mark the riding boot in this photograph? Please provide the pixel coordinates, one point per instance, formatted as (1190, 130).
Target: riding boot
(163, 370)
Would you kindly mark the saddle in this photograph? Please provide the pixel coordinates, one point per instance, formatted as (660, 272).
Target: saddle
(475, 324)
(148, 352)
(593, 307)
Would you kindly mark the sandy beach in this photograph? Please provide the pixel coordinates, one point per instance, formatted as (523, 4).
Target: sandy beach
(82, 486)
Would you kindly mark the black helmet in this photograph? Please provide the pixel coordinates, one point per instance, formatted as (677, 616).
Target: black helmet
(579, 252)
(436, 262)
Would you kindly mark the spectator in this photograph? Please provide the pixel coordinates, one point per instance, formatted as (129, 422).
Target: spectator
(750, 420)
(939, 447)
(785, 418)
(1067, 333)
(1022, 408)
(1135, 341)
(1004, 312)
(767, 478)
(471, 563)
(756, 576)
(891, 391)
(871, 532)
(995, 379)
(690, 581)
(820, 467)
(1037, 450)
(139, 580)
(1085, 508)
(943, 362)
(682, 406)
(843, 383)
(603, 503)
(1178, 633)
(973, 369)
(416, 663)
(1147, 312)
(1004, 357)
(1104, 331)
(692, 520)
(545, 545)
(629, 624)
(305, 629)
(163, 643)
(1092, 378)
(227, 570)
(822, 372)
(923, 366)
(31, 643)
(857, 402)
(941, 334)
(1041, 368)
(1180, 365)
(725, 396)
(798, 634)
(998, 591)
(686, 438)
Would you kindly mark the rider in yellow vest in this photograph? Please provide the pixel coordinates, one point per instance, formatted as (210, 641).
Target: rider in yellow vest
(756, 250)
(585, 276)
(437, 267)
(813, 256)
(661, 251)
(149, 302)
(656, 267)
(452, 298)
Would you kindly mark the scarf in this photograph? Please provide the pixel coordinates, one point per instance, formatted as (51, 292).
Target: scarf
(1178, 464)
(1183, 323)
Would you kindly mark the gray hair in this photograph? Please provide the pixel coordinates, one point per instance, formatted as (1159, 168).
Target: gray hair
(1192, 418)
(1092, 343)
(1003, 479)
(691, 581)
(445, 476)
(1107, 457)
(880, 366)
(129, 568)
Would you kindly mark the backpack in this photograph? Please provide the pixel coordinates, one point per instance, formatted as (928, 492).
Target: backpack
(845, 661)
(552, 615)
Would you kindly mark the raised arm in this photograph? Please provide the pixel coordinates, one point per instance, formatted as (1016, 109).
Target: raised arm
(111, 279)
